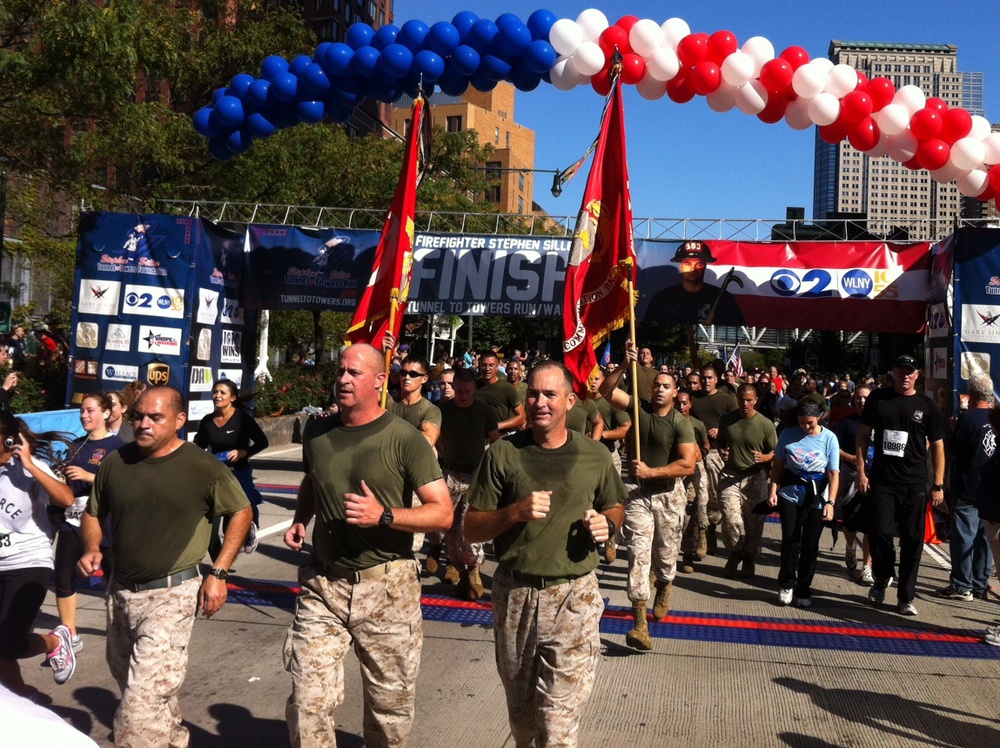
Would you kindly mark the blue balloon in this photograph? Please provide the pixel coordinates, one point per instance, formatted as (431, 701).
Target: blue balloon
(539, 57)
(229, 112)
(428, 64)
(299, 64)
(342, 99)
(385, 36)
(282, 116)
(219, 148)
(310, 111)
(540, 23)
(442, 38)
(365, 62)
(395, 61)
(239, 84)
(352, 84)
(284, 88)
(218, 94)
(505, 19)
(256, 95)
(239, 141)
(494, 68)
(260, 126)
(465, 60)
(359, 35)
(453, 83)
(463, 22)
(412, 35)
(273, 65)
(480, 82)
(511, 41)
(480, 36)
(524, 79)
(338, 113)
(412, 87)
(203, 123)
(336, 59)
(321, 49)
(313, 82)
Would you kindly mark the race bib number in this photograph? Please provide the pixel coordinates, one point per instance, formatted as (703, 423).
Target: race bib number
(894, 442)
(7, 545)
(73, 513)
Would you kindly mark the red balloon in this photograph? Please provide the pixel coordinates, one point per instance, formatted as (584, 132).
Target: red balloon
(693, 49)
(994, 180)
(774, 110)
(925, 124)
(955, 123)
(940, 105)
(834, 133)
(611, 37)
(862, 80)
(913, 164)
(721, 44)
(705, 77)
(795, 56)
(933, 154)
(633, 68)
(988, 194)
(865, 135)
(679, 88)
(881, 91)
(776, 75)
(601, 82)
(855, 107)
(626, 22)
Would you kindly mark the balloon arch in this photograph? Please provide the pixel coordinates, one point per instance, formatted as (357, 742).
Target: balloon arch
(877, 119)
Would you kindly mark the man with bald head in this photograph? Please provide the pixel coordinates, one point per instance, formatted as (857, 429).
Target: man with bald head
(161, 493)
(361, 585)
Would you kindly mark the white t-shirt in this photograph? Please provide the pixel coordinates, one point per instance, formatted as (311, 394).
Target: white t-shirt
(25, 530)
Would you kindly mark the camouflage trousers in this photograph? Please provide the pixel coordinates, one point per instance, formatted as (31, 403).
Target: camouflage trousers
(381, 618)
(461, 553)
(652, 529)
(547, 648)
(741, 492)
(698, 517)
(147, 652)
(713, 465)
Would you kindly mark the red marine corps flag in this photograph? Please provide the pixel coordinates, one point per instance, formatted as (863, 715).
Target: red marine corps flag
(601, 269)
(384, 301)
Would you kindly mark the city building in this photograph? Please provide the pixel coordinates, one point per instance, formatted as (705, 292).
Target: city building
(491, 115)
(848, 183)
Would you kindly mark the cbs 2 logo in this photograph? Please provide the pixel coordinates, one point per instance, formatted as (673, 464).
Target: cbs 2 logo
(813, 284)
(145, 300)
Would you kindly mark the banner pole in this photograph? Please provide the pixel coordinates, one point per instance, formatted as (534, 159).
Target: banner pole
(388, 354)
(635, 367)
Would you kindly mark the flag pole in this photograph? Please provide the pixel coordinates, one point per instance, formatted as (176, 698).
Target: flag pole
(393, 303)
(634, 374)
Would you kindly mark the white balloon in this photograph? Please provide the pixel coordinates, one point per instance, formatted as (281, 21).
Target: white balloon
(650, 88)
(902, 146)
(751, 98)
(737, 68)
(722, 99)
(947, 173)
(797, 114)
(663, 64)
(644, 37)
(808, 80)
(824, 109)
(981, 127)
(841, 80)
(592, 22)
(565, 36)
(967, 153)
(823, 63)
(760, 49)
(911, 97)
(880, 148)
(563, 75)
(588, 59)
(674, 29)
(974, 183)
(992, 145)
(893, 119)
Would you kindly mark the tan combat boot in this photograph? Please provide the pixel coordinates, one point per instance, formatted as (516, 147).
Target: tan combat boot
(610, 551)
(476, 588)
(433, 566)
(451, 575)
(661, 603)
(638, 637)
(702, 549)
(687, 564)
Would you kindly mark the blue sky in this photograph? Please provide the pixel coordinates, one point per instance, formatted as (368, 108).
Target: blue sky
(687, 161)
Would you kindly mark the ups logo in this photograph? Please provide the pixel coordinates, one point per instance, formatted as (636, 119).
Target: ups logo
(158, 375)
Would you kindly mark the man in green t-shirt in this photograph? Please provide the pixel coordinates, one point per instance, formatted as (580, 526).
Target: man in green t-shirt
(499, 394)
(515, 375)
(161, 494)
(746, 442)
(698, 516)
(654, 513)
(546, 497)
(361, 586)
(412, 406)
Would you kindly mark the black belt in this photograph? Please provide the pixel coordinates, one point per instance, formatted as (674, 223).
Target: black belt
(540, 583)
(338, 571)
(163, 583)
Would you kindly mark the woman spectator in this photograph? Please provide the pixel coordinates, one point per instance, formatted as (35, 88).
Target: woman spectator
(28, 486)
(804, 476)
(120, 423)
(231, 433)
(87, 454)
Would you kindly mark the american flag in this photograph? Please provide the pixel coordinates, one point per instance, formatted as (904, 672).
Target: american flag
(736, 361)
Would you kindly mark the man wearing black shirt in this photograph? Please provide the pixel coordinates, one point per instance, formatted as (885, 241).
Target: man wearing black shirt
(901, 423)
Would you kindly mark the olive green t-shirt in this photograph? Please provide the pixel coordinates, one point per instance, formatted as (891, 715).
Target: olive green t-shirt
(744, 435)
(645, 375)
(391, 457)
(501, 396)
(421, 412)
(613, 418)
(660, 435)
(463, 434)
(522, 391)
(580, 476)
(582, 417)
(700, 431)
(709, 409)
(162, 509)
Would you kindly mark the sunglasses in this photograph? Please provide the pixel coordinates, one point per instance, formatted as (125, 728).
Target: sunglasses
(410, 374)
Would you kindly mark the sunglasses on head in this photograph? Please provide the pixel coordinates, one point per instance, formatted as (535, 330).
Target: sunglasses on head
(411, 373)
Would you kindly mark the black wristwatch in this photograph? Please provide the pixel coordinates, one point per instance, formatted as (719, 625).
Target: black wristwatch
(937, 487)
(219, 573)
(387, 518)
(612, 527)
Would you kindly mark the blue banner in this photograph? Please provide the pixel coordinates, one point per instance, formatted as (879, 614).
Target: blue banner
(976, 306)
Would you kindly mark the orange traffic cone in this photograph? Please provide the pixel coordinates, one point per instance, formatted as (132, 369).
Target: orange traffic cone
(930, 532)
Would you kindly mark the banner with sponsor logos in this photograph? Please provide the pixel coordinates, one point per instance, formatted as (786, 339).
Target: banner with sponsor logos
(976, 284)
